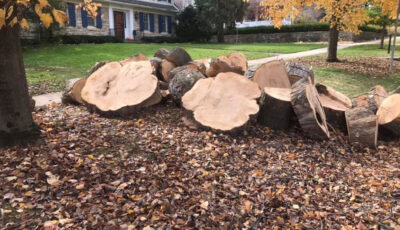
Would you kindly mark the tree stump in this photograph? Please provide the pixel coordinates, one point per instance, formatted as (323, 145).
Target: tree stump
(389, 114)
(362, 126)
(224, 102)
(161, 53)
(121, 90)
(218, 66)
(166, 67)
(297, 71)
(72, 93)
(334, 104)
(372, 99)
(308, 109)
(275, 108)
(182, 82)
(271, 74)
(178, 56)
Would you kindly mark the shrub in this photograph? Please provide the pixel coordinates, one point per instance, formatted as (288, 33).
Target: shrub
(78, 39)
(161, 39)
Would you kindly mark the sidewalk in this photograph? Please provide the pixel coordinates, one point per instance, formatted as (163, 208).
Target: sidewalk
(51, 98)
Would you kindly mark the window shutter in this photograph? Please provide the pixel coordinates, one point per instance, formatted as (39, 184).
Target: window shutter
(84, 18)
(169, 24)
(160, 22)
(141, 21)
(71, 14)
(151, 22)
(99, 23)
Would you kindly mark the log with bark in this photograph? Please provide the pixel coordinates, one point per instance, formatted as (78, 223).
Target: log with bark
(362, 126)
(218, 66)
(137, 57)
(178, 56)
(166, 67)
(308, 109)
(271, 74)
(372, 99)
(334, 104)
(224, 102)
(121, 90)
(297, 71)
(182, 82)
(156, 64)
(161, 53)
(72, 93)
(275, 108)
(389, 114)
(191, 66)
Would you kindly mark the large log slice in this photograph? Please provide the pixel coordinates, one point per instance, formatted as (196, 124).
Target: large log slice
(372, 99)
(308, 109)
(275, 108)
(298, 71)
(95, 67)
(178, 56)
(182, 82)
(224, 102)
(389, 114)
(217, 66)
(362, 126)
(271, 74)
(72, 93)
(120, 90)
(334, 104)
(137, 57)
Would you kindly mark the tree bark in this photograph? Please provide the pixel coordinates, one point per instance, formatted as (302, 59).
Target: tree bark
(383, 33)
(220, 32)
(333, 44)
(16, 122)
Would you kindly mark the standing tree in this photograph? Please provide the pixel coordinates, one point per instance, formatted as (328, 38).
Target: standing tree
(382, 20)
(220, 13)
(16, 122)
(343, 15)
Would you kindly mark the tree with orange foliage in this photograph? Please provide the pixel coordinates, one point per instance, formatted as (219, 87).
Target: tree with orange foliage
(16, 122)
(343, 15)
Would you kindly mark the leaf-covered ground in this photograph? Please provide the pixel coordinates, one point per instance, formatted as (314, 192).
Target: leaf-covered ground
(152, 172)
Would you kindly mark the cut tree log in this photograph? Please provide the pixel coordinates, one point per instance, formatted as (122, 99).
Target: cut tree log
(178, 56)
(389, 114)
(275, 108)
(206, 62)
(156, 64)
(137, 57)
(166, 67)
(372, 99)
(271, 74)
(218, 66)
(308, 109)
(182, 82)
(72, 93)
(235, 60)
(191, 66)
(362, 126)
(161, 53)
(95, 67)
(224, 102)
(297, 71)
(121, 90)
(334, 104)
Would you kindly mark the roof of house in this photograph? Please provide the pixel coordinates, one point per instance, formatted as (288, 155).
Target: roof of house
(167, 7)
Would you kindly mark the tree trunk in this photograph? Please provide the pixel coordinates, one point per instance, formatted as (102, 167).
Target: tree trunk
(383, 33)
(16, 122)
(333, 44)
(220, 32)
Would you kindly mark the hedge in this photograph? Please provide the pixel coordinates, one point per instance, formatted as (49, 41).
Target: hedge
(161, 39)
(78, 39)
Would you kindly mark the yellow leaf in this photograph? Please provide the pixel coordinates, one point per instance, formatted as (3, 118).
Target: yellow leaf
(13, 22)
(9, 12)
(24, 24)
(23, 2)
(60, 17)
(38, 9)
(46, 19)
(43, 3)
(2, 18)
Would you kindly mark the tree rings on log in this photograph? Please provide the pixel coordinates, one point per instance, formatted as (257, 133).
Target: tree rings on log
(334, 104)
(178, 56)
(271, 74)
(224, 102)
(389, 114)
(120, 90)
(308, 109)
(297, 71)
(275, 108)
(362, 126)
(372, 99)
(72, 93)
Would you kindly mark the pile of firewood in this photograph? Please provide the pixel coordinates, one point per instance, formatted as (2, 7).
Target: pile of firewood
(223, 94)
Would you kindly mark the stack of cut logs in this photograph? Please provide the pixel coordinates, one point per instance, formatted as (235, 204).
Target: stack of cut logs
(223, 94)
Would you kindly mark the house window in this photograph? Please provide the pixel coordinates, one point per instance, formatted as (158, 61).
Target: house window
(91, 21)
(164, 24)
(146, 21)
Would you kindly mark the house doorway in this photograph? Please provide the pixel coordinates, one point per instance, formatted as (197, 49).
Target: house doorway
(119, 24)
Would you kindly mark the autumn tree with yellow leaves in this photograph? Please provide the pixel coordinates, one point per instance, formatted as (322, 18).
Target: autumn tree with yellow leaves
(16, 122)
(342, 15)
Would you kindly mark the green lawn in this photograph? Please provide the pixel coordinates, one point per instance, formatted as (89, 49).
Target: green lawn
(52, 65)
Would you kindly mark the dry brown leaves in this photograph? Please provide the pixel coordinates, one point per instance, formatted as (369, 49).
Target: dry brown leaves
(152, 172)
